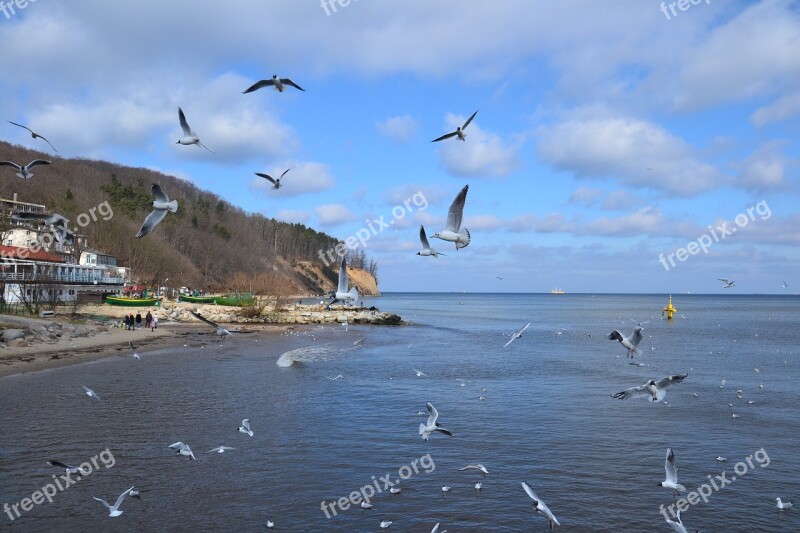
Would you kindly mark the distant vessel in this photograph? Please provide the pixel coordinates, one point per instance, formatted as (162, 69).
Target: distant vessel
(669, 309)
(558, 291)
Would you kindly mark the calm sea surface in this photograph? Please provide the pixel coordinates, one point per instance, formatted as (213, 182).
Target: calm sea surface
(548, 419)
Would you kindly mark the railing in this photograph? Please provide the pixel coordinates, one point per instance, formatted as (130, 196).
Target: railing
(60, 278)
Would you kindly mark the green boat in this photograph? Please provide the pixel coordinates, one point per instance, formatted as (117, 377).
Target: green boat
(131, 302)
(234, 299)
(197, 299)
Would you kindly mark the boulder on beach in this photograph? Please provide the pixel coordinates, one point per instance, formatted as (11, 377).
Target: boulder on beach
(12, 334)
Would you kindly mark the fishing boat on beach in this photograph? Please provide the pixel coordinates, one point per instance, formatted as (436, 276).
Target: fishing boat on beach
(197, 299)
(131, 302)
(235, 299)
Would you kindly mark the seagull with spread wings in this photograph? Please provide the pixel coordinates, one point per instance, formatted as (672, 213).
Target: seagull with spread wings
(459, 131)
(452, 231)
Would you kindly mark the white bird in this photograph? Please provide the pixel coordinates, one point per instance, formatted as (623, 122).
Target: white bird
(270, 524)
(783, 505)
(90, 393)
(365, 505)
(436, 529)
(420, 373)
(161, 205)
(478, 485)
(540, 506)
(114, 510)
(459, 131)
(653, 390)
(739, 393)
(728, 283)
(461, 382)
(182, 449)
(58, 223)
(426, 251)
(394, 490)
(678, 524)
(477, 467)
(385, 523)
(37, 136)
(342, 294)
(452, 230)
(245, 427)
(446, 488)
(276, 183)
(334, 379)
(24, 172)
(517, 335)
(722, 383)
(630, 343)
(426, 429)
(220, 449)
(220, 330)
(721, 459)
(671, 481)
(135, 355)
(279, 84)
(69, 469)
(189, 137)
(134, 493)
(785, 285)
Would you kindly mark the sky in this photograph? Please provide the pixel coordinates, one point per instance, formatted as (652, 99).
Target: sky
(609, 135)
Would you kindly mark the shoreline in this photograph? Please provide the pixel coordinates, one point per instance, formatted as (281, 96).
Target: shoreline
(24, 360)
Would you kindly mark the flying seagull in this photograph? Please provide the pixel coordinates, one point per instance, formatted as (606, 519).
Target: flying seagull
(728, 283)
(517, 335)
(67, 468)
(426, 251)
(220, 449)
(426, 429)
(677, 525)
(452, 230)
(477, 467)
(35, 135)
(161, 205)
(90, 393)
(182, 449)
(420, 373)
(135, 355)
(276, 183)
(540, 506)
(653, 390)
(459, 131)
(56, 221)
(631, 343)
(279, 84)
(189, 137)
(671, 481)
(24, 172)
(334, 379)
(220, 330)
(114, 510)
(342, 294)
(785, 285)
(245, 427)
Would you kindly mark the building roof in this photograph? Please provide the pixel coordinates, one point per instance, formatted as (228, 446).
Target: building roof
(13, 252)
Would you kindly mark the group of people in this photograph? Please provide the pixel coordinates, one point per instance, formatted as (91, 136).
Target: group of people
(150, 321)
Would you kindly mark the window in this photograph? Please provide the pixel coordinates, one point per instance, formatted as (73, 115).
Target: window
(71, 292)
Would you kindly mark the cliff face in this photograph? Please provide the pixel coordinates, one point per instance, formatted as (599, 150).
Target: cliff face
(365, 282)
(317, 281)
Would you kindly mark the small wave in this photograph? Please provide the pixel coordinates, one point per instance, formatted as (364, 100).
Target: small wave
(310, 354)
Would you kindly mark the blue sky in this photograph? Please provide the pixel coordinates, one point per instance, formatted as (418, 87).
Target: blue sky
(607, 134)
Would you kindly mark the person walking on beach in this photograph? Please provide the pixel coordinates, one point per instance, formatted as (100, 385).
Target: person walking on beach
(127, 323)
(154, 323)
(130, 321)
(138, 320)
(148, 318)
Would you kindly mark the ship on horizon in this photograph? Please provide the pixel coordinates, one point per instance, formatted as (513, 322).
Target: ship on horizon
(558, 291)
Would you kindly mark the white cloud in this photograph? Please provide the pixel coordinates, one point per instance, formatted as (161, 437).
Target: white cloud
(399, 129)
(625, 149)
(293, 217)
(334, 215)
(765, 169)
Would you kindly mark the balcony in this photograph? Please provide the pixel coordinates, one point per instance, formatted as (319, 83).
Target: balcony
(60, 278)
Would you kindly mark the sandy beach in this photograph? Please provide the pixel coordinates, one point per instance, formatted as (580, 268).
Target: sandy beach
(114, 342)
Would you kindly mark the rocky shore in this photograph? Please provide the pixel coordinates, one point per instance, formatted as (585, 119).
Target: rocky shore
(292, 314)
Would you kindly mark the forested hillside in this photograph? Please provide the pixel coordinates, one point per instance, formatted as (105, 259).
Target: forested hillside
(207, 244)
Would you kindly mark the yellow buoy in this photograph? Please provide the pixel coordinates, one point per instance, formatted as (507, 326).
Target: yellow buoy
(669, 309)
